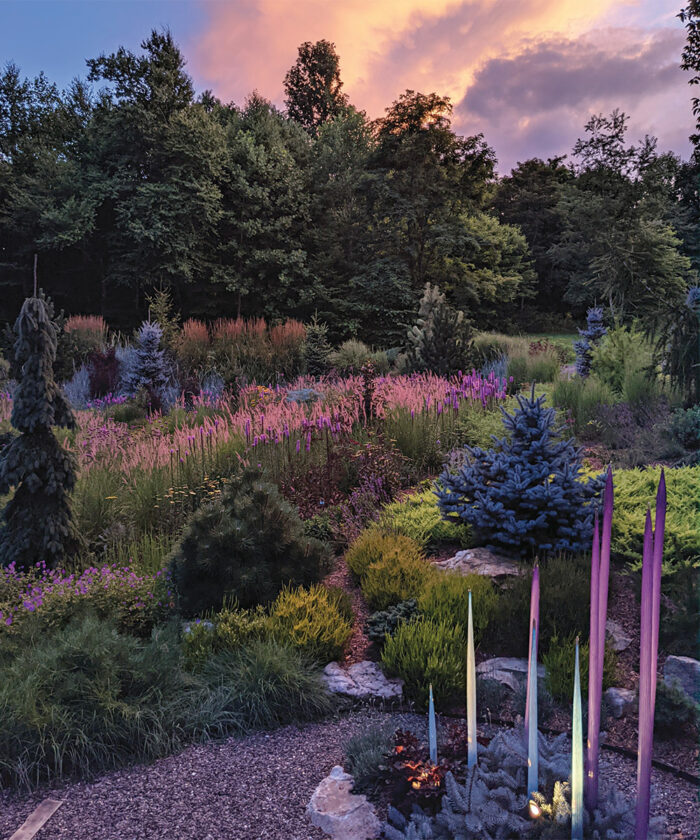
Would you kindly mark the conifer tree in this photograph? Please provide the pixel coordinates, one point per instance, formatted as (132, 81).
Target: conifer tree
(38, 524)
(590, 337)
(439, 341)
(150, 370)
(526, 493)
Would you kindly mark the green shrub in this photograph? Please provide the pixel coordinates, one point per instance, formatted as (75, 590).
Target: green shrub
(424, 652)
(352, 354)
(564, 606)
(418, 517)
(673, 710)
(384, 622)
(372, 546)
(397, 577)
(559, 663)
(476, 424)
(491, 696)
(342, 601)
(621, 354)
(445, 597)
(680, 610)
(245, 545)
(581, 399)
(130, 412)
(635, 490)
(309, 619)
(366, 756)
(685, 427)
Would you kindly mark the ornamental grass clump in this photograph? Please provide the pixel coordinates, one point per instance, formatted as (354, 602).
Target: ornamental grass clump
(525, 495)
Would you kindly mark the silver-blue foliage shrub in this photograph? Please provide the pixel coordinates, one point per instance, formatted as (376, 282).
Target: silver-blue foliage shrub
(590, 337)
(525, 495)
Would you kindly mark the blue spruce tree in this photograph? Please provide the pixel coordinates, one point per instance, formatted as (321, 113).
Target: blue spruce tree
(150, 370)
(525, 495)
(589, 339)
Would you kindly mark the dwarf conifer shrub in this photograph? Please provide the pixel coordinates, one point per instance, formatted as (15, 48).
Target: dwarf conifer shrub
(526, 494)
(150, 370)
(440, 341)
(384, 622)
(397, 577)
(372, 545)
(246, 545)
(424, 652)
(309, 619)
(38, 521)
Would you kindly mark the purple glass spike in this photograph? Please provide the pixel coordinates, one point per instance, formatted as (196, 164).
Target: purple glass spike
(591, 781)
(534, 618)
(646, 716)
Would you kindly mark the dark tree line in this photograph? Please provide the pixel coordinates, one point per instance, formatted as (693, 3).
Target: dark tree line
(130, 181)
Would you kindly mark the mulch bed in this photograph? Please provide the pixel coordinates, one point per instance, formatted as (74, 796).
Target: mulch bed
(359, 647)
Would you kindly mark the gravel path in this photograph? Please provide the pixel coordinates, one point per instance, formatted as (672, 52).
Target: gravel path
(257, 788)
(253, 788)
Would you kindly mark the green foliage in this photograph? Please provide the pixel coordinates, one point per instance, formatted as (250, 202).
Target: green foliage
(86, 699)
(397, 576)
(564, 606)
(264, 684)
(445, 598)
(491, 345)
(680, 610)
(440, 341)
(366, 756)
(621, 359)
(245, 545)
(537, 367)
(635, 490)
(673, 710)
(38, 521)
(559, 663)
(352, 354)
(373, 545)
(311, 621)
(312, 86)
(417, 516)
(581, 399)
(384, 622)
(424, 652)
(685, 427)
(317, 347)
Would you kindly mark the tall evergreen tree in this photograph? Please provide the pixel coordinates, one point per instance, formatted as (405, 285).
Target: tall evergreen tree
(690, 15)
(38, 524)
(313, 86)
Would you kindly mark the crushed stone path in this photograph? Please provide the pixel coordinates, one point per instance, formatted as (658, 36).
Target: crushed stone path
(252, 788)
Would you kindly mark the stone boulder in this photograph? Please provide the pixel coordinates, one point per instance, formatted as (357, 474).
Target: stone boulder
(363, 680)
(616, 636)
(686, 673)
(508, 670)
(481, 561)
(620, 701)
(339, 812)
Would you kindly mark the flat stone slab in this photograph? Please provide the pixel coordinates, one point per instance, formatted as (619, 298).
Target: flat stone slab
(620, 701)
(684, 671)
(481, 561)
(615, 634)
(339, 812)
(508, 670)
(362, 681)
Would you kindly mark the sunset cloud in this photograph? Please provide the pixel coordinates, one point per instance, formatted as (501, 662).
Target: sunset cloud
(526, 72)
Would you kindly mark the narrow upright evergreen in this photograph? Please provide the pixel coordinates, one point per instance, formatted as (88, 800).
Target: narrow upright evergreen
(38, 524)
(150, 370)
(590, 337)
(440, 340)
(525, 495)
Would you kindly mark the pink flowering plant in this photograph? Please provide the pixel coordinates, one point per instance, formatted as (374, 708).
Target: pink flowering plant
(42, 600)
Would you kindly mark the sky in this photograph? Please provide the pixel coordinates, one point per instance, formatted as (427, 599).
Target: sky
(526, 73)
